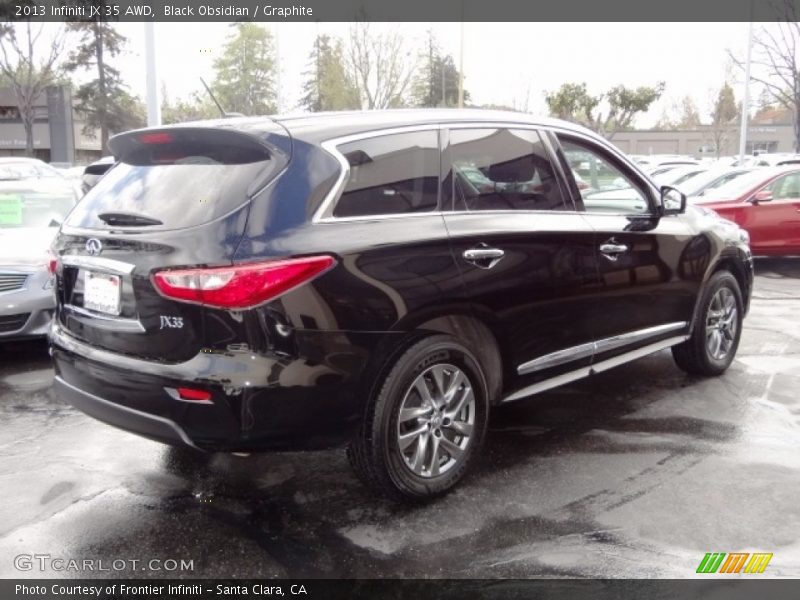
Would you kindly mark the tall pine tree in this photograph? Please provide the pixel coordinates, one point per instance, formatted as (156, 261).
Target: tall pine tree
(104, 100)
(328, 85)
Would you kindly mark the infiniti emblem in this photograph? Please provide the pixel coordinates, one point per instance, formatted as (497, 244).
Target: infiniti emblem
(94, 246)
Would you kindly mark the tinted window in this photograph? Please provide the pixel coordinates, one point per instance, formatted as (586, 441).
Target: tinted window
(604, 187)
(502, 169)
(391, 174)
(192, 177)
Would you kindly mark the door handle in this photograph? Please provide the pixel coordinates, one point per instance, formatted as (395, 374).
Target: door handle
(611, 249)
(483, 256)
(483, 253)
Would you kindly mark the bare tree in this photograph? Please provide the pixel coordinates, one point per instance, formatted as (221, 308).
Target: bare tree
(381, 66)
(775, 61)
(28, 72)
(725, 117)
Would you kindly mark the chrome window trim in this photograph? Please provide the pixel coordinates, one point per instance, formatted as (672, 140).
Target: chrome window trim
(324, 213)
(98, 263)
(591, 348)
(604, 365)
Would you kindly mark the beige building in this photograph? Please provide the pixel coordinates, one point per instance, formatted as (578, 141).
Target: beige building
(58, 134)
(769, 131)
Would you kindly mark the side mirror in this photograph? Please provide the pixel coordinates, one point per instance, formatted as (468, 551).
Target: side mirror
(761, 196)
(673, 201)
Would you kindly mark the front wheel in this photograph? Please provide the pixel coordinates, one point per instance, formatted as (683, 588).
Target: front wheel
(426, 424)
(712, 346)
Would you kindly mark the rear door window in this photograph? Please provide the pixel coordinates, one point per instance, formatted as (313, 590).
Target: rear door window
(502, 169)
(391, 174)
(180, 178)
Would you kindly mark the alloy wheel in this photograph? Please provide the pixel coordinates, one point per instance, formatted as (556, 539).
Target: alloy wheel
(721, 324)
(436, 420)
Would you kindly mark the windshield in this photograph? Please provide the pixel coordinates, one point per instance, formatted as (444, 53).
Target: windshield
(708, 181)
(737, 187)
(30, 208)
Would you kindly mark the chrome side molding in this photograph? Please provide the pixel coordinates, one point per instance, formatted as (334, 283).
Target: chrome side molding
(604, 365)
(585, 350)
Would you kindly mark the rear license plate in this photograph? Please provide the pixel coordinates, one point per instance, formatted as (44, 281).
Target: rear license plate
(101, 292)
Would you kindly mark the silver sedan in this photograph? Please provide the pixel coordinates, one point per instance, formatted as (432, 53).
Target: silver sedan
(30, 214)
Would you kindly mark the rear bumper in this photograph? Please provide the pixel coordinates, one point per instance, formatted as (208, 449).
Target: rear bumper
(147, 425)
(259, 401)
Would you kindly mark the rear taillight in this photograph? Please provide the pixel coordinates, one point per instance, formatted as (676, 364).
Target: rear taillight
(240, 286)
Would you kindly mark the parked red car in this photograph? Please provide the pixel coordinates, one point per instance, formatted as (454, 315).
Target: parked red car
(766, 203)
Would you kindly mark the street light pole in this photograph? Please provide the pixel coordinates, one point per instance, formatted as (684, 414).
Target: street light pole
(153, 104)
(746, 98)
(461, 63)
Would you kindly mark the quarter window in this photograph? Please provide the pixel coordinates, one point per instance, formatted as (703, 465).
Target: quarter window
(391, 174)
(502, 169)
(604, 187)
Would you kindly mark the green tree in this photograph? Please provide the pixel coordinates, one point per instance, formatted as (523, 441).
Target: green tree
(605, 113)
(437, 83)
(328, 85)
(104, 100)
(193, 108)
(245, 72)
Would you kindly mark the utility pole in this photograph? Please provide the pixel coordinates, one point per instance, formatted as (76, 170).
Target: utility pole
(153, 104)
(746, 98)
(461, 61)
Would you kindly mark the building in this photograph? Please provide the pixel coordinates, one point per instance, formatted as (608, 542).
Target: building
(769, 131)
(58, 134)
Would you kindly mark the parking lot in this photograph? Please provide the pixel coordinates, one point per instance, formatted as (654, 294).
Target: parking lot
(635, 473)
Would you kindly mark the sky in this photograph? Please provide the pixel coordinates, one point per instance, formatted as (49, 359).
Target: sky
(513, 64)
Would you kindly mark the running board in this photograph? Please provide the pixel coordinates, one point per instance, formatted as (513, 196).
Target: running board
(603, 365)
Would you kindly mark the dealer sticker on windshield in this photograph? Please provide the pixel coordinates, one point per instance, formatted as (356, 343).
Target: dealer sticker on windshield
(10, 209)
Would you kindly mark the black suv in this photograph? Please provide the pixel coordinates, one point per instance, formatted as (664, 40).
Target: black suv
(378, 280)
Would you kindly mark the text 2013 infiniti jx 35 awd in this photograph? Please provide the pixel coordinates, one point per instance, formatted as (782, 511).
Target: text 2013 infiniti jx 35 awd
(377, 280)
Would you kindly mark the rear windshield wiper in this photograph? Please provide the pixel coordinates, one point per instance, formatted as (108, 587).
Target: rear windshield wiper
(127, 219)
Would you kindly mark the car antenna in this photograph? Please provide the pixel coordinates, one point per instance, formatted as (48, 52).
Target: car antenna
(225, 115)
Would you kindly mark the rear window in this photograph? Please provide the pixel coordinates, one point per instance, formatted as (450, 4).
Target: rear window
(179, 178)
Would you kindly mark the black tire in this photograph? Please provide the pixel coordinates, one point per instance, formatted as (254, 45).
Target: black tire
(375, 453)
(694, 355)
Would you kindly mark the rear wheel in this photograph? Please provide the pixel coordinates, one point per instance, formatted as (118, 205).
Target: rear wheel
(426, 424)
(715, 338)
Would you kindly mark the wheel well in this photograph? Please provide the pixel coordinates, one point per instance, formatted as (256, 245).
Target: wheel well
(478, 338)
(732, 265)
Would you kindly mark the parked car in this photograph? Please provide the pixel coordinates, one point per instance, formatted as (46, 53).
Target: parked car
(766, 203)
(94, 171)
(30, 214)
(303, 282)
(679, 175)
(30, 168)
(775, 160)
(711, 179)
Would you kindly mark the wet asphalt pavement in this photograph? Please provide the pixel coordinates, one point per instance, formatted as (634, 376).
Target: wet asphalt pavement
(636, 473)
